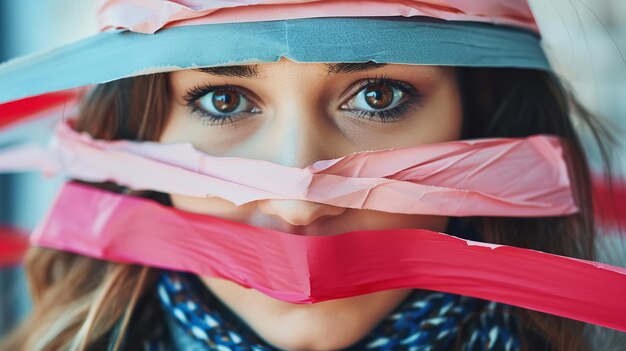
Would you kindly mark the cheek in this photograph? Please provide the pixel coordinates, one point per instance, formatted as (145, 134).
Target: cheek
(433, 223)
(380, 220)
(443, 114)
(182, 127)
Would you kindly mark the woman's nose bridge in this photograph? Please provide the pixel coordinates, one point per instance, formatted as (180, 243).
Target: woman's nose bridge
(300, 137)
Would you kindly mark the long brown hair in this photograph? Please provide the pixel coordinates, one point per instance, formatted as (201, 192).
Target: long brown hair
(82, 303)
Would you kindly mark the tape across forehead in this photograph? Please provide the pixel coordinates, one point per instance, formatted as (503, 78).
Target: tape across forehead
(457, 178)
(469, 40)
(309, 269)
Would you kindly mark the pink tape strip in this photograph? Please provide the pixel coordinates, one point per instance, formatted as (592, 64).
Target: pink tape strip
(459, 178)
(156, 14)
(308, 269)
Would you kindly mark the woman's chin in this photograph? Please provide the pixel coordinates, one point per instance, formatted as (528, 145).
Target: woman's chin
(328, 325)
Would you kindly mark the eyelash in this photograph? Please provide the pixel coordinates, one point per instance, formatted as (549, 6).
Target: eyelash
(412, 100)
(197, 92)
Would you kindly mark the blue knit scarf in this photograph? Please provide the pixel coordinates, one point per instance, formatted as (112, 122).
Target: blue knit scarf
(425, 320)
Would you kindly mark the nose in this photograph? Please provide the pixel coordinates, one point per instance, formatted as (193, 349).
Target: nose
(298, 142)
(300, 134)
(298, 212)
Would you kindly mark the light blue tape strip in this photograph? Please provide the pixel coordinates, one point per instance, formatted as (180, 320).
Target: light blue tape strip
(113, 55)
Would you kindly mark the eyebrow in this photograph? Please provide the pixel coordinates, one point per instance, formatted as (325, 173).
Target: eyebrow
(243, 71)
(252, 71)
(345, 67)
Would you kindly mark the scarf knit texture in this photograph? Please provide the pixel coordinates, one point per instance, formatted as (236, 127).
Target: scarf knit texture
(424, 321)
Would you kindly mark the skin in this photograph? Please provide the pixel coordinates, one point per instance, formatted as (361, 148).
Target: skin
(298, 114)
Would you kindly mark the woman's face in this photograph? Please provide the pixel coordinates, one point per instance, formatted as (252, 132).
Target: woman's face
(295, 114)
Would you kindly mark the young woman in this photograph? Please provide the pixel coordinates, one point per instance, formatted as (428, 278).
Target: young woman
(294, 114)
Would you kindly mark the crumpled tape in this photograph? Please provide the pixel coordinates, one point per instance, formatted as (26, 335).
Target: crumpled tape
(157, 14)
(458, 178)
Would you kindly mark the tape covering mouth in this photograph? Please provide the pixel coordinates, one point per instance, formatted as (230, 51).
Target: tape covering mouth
(309, 269)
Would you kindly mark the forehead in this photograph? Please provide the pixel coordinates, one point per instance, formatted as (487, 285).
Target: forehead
(286, 66)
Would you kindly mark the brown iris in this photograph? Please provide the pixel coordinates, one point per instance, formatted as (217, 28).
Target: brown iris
(226, 100)
(379, 96)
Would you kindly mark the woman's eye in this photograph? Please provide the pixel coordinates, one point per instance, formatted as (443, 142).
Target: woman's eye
(377, 97)
(221, 104)
(382, 98)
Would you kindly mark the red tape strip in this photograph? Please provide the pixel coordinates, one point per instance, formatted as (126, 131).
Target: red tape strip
(308, 269)
(610, 203)
(30, 108)
(13, 245)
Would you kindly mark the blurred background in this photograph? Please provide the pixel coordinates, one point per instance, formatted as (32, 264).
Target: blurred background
(585, 40)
